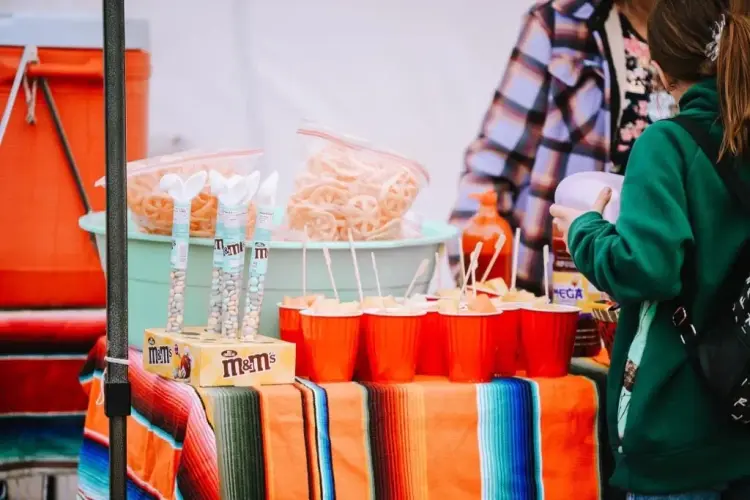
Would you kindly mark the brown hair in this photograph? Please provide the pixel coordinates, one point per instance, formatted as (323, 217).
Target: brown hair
(641, 8)
(680, 38)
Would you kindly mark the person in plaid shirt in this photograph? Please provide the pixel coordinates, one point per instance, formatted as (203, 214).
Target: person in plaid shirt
(579, 75)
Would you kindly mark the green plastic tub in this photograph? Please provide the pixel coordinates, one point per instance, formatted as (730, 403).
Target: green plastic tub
(148, 272)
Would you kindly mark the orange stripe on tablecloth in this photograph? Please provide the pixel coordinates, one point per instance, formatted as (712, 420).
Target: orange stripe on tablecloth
(569, 441)
(283, 443)
(311, 442)
(452, 444)
(150, 458)
(416, 442)
(350, 447)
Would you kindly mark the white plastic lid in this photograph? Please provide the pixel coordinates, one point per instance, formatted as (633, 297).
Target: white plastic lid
(66, 31)
(581, 190)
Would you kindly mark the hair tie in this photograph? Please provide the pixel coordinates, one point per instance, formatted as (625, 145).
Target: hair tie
(712, 48)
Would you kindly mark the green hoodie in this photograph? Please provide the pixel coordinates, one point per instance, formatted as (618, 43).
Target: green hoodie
(667, 434)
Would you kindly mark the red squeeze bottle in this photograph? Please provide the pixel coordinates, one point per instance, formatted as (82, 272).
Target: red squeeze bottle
(487, 226)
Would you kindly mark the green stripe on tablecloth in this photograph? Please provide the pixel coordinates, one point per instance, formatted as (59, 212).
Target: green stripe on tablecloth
(239, 442)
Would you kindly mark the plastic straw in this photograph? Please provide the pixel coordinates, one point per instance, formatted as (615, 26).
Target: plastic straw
(472, 259)
(420, 271)
(438, 272)
(516, 247)
(474, 279)
(327, 257)
(304, 263)
(477, 251)
(461, 258)
(546, 271)
(377, 277)
(356, 268)
(499, 246)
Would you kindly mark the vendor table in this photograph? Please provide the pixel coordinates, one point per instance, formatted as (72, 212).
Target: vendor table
(510, 439)
(42, 405)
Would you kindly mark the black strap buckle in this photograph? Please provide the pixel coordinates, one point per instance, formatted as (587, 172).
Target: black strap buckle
(679, 316)
(681, 320)
(690, 329)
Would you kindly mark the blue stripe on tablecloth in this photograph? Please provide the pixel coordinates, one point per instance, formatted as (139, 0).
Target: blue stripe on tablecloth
(323, 438)
(368, 448)
(164, 435)
(39, 438)
(508, 432)
(93, 474)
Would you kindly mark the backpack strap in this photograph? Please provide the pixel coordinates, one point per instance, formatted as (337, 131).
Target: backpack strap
(727, 168)
(728, 171)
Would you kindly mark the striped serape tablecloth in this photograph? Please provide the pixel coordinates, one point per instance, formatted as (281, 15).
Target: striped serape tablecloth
(171, 446)
(511, 439)
(42, 405)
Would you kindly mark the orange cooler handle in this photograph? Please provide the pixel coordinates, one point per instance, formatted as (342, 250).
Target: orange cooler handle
(90, 70)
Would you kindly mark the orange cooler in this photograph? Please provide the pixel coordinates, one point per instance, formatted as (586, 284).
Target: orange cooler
(45, 259)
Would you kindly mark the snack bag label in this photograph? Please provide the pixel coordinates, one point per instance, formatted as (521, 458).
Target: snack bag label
(592, 293)
(246, 363)
(180, 236)
(233, 251)
(261, 242)
(159, 354)
(259, 259)
(568, 288)
(183, 363)
(234, 364)
(218, 256)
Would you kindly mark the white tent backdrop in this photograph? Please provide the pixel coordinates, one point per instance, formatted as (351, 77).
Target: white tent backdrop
(414, 76)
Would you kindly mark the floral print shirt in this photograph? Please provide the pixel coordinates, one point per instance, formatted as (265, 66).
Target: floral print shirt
(646, 100)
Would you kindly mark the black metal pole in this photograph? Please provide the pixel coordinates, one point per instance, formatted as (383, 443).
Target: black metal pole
(116, 384)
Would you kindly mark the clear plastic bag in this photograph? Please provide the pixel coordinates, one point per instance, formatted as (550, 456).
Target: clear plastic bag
(151, 208)
(347, 184)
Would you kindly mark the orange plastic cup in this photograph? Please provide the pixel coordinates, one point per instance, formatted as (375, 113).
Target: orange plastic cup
(329, 345)
(507, 340)
(471, 345)
(290, 330)
(389, 340)
(548, 337)
(432, 348)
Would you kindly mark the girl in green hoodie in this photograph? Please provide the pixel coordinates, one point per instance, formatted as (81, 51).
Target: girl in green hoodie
(670, 440)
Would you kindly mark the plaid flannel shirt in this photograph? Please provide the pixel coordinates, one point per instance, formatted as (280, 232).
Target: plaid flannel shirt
(550, 117)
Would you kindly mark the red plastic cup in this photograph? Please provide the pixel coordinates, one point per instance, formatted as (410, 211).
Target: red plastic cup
(507, 339)
(432, 350)
(471, 345)
(290, 330)
(389, 345)
(329, 345)
(548, 337)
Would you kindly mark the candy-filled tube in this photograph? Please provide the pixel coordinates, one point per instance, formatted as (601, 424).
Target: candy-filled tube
(182, 193)
(232, 267)
(260, 253)
(214, 299)
(227, 190)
